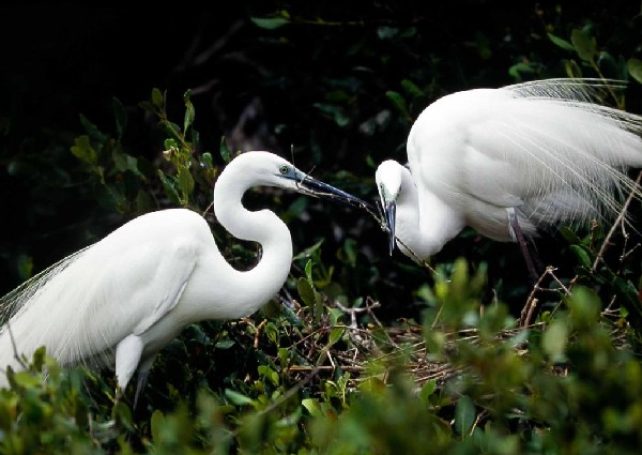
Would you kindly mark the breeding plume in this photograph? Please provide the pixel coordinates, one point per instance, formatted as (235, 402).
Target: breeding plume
(128, 295)
(508, 162)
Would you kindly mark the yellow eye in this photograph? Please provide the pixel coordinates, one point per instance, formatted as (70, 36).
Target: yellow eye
(284, 169)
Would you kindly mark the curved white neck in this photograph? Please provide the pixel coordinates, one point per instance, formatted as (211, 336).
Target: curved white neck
(424, 222)
(259, 284)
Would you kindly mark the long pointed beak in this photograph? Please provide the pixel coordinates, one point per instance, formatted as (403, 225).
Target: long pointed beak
(390, 212)
(314, 187)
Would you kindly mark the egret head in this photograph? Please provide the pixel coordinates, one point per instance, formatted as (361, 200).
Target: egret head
(388, 178)
(272, 170)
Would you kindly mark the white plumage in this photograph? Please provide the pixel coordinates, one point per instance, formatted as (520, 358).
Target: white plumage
(132, 292)
(541, 151)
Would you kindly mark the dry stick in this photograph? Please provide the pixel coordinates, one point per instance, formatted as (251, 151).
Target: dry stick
(528, 308)
(525, 318)
(257, 335)
(351, 368)
(618, 220)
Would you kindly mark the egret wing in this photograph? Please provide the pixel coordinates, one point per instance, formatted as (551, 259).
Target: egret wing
(534, 146)
(119, 286)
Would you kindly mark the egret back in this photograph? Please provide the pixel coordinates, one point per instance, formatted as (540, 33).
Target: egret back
(82, 307)
(541, 147)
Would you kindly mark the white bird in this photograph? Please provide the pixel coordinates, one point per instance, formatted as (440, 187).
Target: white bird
(507, 162)
(126, 296)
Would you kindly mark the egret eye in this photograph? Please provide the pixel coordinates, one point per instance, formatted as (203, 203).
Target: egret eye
(284, 169)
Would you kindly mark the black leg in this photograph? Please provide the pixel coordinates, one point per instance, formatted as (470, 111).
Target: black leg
(523, 245)
(143, 375)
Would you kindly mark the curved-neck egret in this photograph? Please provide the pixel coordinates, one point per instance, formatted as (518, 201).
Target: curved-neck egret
(507, 162)
(129, 294)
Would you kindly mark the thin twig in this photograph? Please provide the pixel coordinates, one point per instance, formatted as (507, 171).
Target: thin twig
(620, 218)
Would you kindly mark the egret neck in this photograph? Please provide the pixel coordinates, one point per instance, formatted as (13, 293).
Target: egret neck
(257, 286)
(424, 223)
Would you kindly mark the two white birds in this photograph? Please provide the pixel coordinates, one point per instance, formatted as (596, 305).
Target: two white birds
(504, 161)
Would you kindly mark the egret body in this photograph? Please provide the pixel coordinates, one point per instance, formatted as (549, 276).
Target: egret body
(508, 162)
(125, 297)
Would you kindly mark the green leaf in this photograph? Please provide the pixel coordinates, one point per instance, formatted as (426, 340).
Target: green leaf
(336, 112)
(157, 421)
(386, 32)
(123, 415)
(335, 335)
(582, 255)
(27, 379)
(170, 189)
(157, 98)
(238, 398)
(427, 390)
(83, 150)
(185, 182)
(412, 89)
(585, 44)
(554, 341)
(585, 305)
(398, 102)
(120, 116)
(634, 65)
(560, 42)
(207, 160)
(144, 202)
(269, 23)
(309, 251)
(190, 113)
(350, 247)
(38, 358)
(464, 415)
(569, 235)
(572, 69)
(224, 344)
(148, 107)
(25, 266)
(92, 130)
(312, 406)
(173, 129)
(125, 162)
(306, 293)
(520, 68)
(224, 150)
(269, 374)
(308, 271)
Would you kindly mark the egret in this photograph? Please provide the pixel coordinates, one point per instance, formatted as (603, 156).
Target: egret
(509, 162)
(125, 297)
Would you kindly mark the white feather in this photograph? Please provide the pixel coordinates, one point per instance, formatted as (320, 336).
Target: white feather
(544, 150)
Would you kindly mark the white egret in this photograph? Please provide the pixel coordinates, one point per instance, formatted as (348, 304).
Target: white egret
(508, 162)
(125, 297)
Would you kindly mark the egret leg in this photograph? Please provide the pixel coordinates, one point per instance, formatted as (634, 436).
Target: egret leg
(521, 240)
(128, 354)
(143, 375)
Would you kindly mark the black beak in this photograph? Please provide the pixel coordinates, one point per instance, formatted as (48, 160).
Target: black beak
(314, 187)
(390, 210)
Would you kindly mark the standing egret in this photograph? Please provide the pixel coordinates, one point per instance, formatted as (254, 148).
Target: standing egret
(508, 162)
(125, 297)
